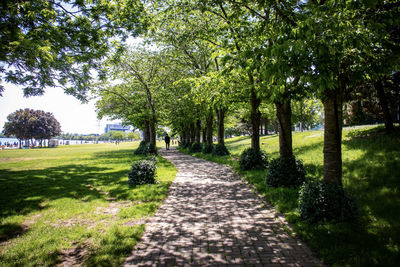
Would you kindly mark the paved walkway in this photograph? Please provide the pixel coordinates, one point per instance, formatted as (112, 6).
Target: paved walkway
(211, 218)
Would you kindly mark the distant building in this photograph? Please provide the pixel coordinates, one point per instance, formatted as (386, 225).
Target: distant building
(116, 127)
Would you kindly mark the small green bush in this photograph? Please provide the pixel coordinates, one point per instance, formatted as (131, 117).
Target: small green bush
(196, 147)
(253, 159)
(220, 150)
(287, 172)
(208, 149)
(143, 149)
(143, 172)
(320, 201)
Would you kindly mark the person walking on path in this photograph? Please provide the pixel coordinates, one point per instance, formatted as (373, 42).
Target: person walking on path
(212, 218)
(167, 140)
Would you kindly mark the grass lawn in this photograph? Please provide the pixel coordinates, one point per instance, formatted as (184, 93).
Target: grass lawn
(371, 164)
(72, 204)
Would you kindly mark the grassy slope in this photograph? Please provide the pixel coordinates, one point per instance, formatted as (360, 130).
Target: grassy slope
(56, 200)
(371, 163)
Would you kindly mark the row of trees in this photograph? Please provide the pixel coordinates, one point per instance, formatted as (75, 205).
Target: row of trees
(214, 58)
(28, 124)
(111, 135)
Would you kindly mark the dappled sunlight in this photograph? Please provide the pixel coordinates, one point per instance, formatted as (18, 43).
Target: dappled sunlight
(211, 217)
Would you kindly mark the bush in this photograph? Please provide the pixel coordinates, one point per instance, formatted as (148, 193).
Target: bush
(196, 147)
(253, 159)
(320, 201)
(285, 172)
(143, 149)
(220, 150)
(208, 149)
(143, 172)
(184, 144)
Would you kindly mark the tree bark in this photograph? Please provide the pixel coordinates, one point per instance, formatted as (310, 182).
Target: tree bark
(198, 131)
(209, 122)
(333, 137)
(266, 121)
(385, 106)
(204, 134)
(221, 129)
(284, 115)
(255, 118)
(146, 132)
(152, 128)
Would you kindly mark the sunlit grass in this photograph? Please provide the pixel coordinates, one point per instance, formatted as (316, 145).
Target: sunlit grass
(371, 163)
(74, 199)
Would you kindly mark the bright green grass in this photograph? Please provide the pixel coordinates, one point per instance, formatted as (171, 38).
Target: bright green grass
(74, 197)
(371, 164)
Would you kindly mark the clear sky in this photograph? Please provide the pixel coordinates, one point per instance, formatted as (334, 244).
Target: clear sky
(73, 116)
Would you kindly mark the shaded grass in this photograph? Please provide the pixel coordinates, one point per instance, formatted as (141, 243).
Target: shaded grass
(371, 160)
(66, 197)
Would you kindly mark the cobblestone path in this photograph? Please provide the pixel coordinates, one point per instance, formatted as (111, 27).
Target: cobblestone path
(211, 218)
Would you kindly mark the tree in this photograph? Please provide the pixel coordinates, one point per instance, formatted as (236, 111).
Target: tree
(29, 124)
(58, 43)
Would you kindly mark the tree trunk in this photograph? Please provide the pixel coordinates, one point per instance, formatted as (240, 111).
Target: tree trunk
(221, 129)
(284, 115)
(209, 122)
(204, 134)
(333, 138)
(385, 107)
(255, 118)
(266, 121)
(146, 132)
(152, 128)
(198, 131)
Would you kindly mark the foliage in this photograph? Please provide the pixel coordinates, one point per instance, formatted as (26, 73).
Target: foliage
(285, 172)
(220, 150)
(253, 159)
(196, 147)
(50, 43)
(207, 149)
(320, 201)
(29, 123)
(143, 172)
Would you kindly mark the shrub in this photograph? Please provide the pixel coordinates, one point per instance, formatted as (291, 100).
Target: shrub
(253, 159)
(320, 201)
(196, 147)
(143, 172)
(285, 172)
(184, 144)
(207, 149)
(220, 150)
(143, 149)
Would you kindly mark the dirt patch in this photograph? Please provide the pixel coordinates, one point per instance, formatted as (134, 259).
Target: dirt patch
(5, 159)
(75, 256)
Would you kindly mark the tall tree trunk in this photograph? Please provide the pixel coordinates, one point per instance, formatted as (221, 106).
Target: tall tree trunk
(204, 134)
(192, 133)
(385, 106)
(333, 137)
(255, 118)
(221, 129)
(152, 128)
(261, 127)
(209, 122)
(146, 132)
(198, 131)
(266, 121)
(284, 115)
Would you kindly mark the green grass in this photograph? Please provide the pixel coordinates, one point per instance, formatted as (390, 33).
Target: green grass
(74, 200)
(371, 163)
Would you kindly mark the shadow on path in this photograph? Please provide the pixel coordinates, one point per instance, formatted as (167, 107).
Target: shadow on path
(212, 218)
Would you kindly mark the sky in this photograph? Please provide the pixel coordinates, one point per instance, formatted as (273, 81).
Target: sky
(73, 116)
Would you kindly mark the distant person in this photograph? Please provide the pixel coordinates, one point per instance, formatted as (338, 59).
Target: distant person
(167, 140)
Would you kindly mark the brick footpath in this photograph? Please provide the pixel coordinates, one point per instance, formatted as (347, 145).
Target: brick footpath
(211, 218)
